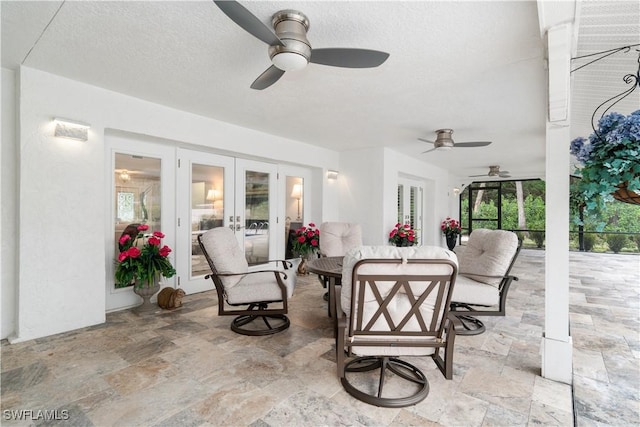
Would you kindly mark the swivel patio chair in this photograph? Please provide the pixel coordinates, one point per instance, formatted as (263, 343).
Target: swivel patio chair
(394, 302)
(238, 287)
(484, 277)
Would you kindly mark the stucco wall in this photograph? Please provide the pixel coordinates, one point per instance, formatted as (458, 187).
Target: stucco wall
(62, 210)
(8, 227)
(369, 193)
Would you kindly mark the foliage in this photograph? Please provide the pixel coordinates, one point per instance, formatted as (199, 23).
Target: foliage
(306, 239)
(589, 240)
(538, 237)
(616, 241)
(450, 227)
(403, 235)
(144, 265)
(610, 157)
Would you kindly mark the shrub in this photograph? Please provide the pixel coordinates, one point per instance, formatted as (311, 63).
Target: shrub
(538, 237)
(636, 238)
(589, 241)
(616, 241)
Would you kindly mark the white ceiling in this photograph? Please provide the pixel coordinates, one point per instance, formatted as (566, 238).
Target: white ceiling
(476, 67)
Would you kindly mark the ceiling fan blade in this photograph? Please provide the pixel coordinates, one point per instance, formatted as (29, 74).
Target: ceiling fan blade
(472, 144)
(428, 151)
(475, 176)
(348, 58)
(249, 22)
(266, 79)
(426, 140)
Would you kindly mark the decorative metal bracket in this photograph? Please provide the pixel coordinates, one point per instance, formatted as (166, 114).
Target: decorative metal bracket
(632, 79)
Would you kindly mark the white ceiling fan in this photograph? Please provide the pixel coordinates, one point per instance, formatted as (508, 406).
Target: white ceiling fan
(494, 171)
(444, 141)
(289, 48)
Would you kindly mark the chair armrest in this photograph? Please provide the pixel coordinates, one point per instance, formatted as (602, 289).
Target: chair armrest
(480, 275)
(491, 277)
(249, 272)
(457, 324)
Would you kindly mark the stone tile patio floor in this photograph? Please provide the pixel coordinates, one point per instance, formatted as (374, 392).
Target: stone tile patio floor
(186, 368)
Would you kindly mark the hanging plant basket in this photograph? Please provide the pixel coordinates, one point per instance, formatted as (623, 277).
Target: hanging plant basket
(623, 194)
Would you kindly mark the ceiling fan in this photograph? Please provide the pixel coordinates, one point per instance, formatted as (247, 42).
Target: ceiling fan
(444, 141)
(289, 48)
(493, 172)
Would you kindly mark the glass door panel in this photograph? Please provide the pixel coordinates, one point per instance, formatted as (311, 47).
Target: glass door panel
(255, 214)
(205, 199)
(410, 195)
(207, 209)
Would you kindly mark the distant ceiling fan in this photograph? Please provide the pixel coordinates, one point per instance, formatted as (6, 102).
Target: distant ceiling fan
(289, 48)
(444, 141)
(493, 172)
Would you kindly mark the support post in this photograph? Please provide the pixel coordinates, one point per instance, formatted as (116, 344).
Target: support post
(556, 341)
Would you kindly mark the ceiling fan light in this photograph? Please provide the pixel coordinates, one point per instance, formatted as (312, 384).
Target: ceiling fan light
(444, 148)
(289, 61)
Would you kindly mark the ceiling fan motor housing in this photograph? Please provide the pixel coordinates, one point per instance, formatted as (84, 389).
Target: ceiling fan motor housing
(494, 171)
(444, 139)
(291, 27)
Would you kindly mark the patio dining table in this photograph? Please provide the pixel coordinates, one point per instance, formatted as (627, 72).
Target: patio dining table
(330, 267)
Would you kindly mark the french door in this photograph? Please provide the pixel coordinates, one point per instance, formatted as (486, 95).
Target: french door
(141, 190)
(221, 191)
(410, 202)
(184, 193)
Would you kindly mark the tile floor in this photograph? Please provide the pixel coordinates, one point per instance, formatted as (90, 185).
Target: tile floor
(186, 368)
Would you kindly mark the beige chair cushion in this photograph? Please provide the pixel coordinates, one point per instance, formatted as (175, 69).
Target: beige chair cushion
(401, 302)
(336, 238)
(223, 248)
(471, 291)
(259, 287)
(489, 253)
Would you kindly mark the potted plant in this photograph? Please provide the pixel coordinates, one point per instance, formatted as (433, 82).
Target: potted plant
(610, 162)
(451, 229)
(305, 242)
(403, 235)
(142, 266)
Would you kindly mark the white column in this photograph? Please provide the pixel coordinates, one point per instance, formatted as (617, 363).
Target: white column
(556, 341)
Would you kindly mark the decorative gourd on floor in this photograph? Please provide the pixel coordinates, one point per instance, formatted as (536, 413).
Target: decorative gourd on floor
(170, 298)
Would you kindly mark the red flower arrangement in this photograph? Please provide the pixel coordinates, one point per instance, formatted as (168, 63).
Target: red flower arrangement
(403, 235)
(450, 227)
(142, 265)
(306, 239)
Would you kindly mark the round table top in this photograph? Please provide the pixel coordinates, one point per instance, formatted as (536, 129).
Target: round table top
(327, 266)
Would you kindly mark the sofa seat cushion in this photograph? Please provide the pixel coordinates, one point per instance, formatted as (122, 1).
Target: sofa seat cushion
(471, 291)
(258, 287)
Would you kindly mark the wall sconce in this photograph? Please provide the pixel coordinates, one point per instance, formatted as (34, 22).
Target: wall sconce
(332, 174)
(456, 191)
(296, 193)
(71, 129)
